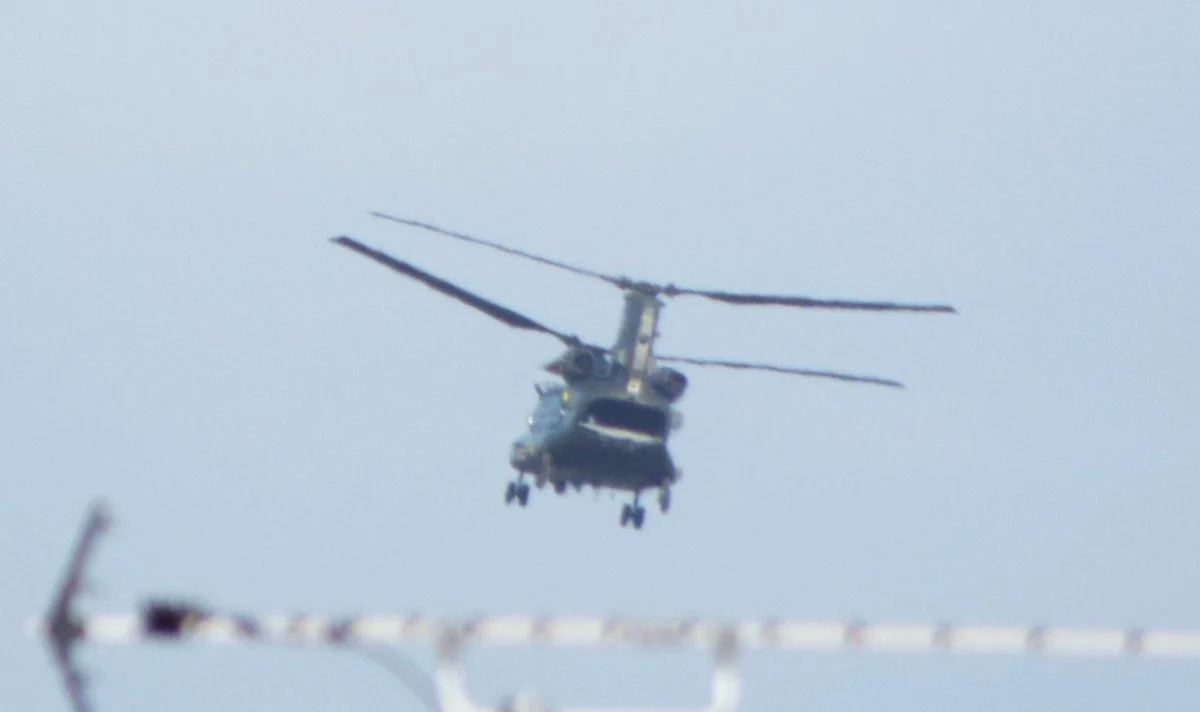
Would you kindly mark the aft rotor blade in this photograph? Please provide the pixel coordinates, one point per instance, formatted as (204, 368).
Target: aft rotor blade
(790, 301)
(497, 312)
(783, 369)
(615, 281)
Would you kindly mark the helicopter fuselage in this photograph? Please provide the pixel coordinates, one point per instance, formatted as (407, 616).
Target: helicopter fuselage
(608, 424)
(579, 437)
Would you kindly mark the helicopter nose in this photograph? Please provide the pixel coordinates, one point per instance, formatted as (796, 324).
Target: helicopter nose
(521, 452)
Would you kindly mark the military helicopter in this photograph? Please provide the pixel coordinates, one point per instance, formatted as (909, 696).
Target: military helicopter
(606, 424)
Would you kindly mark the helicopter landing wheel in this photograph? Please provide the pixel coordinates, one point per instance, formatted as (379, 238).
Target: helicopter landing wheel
(633, 514)
(560, 486)
(664, 500)
(510, 492)
(523, 494)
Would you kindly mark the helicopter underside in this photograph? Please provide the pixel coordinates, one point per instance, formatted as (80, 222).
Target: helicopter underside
(600, 457)
(597, 441)
(596, 456)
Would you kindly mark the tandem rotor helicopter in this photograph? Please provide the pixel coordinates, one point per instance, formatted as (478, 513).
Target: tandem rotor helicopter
(607, 424)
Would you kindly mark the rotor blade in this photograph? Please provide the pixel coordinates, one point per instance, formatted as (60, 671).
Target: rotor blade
(789, 301)
(497, 312)
(782, 369)
(616, 281)
(672, 290)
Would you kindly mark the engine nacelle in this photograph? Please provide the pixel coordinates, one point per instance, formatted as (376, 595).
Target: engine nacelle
(575, 365)
(668, 384)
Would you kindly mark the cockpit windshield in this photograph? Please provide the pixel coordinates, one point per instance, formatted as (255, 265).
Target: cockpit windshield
(548, 388)
(549, 409)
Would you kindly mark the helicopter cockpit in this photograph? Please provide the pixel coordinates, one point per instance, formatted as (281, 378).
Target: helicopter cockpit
(550, 406)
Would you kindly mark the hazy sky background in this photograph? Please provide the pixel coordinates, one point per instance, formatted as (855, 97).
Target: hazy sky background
(281, 425)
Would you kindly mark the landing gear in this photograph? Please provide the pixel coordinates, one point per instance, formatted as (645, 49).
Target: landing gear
(517, 490)
(664, 500)
(560, 487)
(634, 514)
(546, 473)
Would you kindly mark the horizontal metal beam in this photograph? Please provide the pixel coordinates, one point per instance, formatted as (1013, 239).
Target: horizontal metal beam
(781, 635)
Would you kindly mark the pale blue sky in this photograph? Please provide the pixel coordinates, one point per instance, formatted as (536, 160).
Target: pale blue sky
(282, 425)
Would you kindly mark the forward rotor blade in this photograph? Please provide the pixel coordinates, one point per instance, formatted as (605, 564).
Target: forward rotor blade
(671, 290)
(615, 281)
(497, 312)
(789, 301)
(782, 369)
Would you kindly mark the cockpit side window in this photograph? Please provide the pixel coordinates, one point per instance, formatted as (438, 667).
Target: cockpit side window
(549, 409)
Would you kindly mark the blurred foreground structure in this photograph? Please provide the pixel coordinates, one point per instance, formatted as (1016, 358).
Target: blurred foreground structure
(63, 628)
